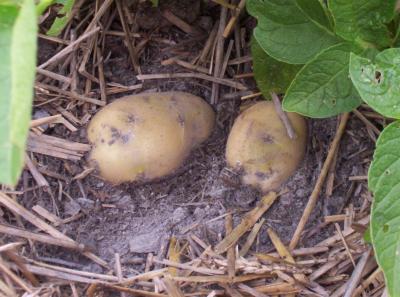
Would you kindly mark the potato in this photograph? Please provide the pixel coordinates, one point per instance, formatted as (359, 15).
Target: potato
(147, 136)
(259, 148)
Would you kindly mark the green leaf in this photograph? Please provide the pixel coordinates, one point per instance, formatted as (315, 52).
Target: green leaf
(286, 33)
(379, 83)
(363, 20)
(270, 74)
(18, 61)
(315, 11)
(384, 179)
(322, 88)
(61, 21)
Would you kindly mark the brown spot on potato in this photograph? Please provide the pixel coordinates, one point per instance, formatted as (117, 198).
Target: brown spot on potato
(267, 138)
(131, 118)
(265, 175)
(125, 138)
(114, 132)
(261, 175)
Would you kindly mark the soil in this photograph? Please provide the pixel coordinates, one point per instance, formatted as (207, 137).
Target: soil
(134, 220)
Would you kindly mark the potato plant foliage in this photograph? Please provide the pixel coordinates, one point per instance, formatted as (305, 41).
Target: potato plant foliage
(346, 50)
(18, 29)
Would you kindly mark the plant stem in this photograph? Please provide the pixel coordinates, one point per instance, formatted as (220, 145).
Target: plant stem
(283, 116)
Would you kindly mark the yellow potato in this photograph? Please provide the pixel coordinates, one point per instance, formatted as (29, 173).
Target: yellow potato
(258, 146)
(147, 136)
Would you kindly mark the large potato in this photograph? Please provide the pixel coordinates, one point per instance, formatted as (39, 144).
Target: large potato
(147, 136)
(258, 146)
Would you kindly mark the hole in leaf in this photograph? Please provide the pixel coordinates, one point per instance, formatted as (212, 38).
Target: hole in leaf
(387, 172)
(385, 228)
(378, 76)
(333, 101)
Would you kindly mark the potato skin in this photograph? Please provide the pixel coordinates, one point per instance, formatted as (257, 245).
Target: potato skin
(258, 146)
(147, 136)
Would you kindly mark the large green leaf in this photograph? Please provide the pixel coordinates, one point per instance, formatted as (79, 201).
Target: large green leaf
(18, 60)
(286, 33)
(271, 75)
(323, 88)
(384, 180)
(379, 82)
(363, 20)
(315, 10)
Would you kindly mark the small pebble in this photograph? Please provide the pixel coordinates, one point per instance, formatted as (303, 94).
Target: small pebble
(179, 215)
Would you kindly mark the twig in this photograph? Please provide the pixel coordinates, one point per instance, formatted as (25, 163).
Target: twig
(41, 238)
(103, 92)
(209, 43)
(118, 270)
(247, 222)
(69, 48)
(234, 18)
(23, 212)
(10, 246)
(366, 121)
(226, 59)
(21, 265)
(185, 266)
(366, 283)
(53, 75)
(323, 269)
(251, 291)
(251, 96)
(38, 177)
(56, 147)
(240, 60)
(172, 289)
(357, 274)
(45, 120)
(231, 257)
(185, 65)
(128, 40)
(181, 24)
(250, 239)
(225, 4)
(70, 94)
(222, 81)
(219, 51)
(14, 277)
(345, 244)
(92, 275)
(320, 181)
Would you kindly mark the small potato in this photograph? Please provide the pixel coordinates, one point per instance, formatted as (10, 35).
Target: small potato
(147, 136)
(258, 146)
